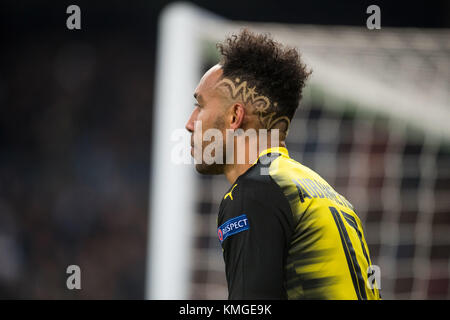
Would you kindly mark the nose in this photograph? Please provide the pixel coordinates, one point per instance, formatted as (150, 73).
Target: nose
(190, 123)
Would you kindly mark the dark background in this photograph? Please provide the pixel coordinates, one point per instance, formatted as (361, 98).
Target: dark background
(75, 132)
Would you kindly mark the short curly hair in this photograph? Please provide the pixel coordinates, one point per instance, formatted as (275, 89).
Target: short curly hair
(274, 69)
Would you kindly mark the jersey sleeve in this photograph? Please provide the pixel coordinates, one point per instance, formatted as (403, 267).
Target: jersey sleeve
(254, 233)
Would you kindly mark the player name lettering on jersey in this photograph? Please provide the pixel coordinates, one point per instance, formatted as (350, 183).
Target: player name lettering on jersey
(311, 188)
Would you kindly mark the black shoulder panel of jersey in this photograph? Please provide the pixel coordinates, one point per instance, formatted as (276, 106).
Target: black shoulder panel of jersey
(255, 226)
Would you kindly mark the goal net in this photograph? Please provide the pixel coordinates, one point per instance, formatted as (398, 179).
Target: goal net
(374, 122)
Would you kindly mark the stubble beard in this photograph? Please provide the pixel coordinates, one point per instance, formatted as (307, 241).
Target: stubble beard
(213, 168)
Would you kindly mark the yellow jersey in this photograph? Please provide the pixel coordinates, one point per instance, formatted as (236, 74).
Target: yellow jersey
(286, 233)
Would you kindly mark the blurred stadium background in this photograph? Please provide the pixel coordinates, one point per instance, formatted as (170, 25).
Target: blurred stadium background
(77, 124)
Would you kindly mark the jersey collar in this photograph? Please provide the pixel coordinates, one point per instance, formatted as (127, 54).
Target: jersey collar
(281, 150)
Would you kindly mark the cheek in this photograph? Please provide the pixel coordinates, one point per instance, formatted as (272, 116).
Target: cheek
(206, 118)
(213, 123)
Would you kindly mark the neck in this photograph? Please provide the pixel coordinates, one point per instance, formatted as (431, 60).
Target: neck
(235, 170)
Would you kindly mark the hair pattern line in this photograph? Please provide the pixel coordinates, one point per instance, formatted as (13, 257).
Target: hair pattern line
(261, 103)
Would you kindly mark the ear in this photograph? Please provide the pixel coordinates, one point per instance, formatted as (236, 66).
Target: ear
(236, 116)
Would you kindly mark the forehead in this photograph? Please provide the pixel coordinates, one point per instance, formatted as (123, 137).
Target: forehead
(207, 83)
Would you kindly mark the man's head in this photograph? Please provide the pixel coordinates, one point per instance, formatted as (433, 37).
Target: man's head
(257, 85)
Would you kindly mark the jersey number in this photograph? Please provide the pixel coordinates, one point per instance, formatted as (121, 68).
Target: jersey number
(350, 254)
